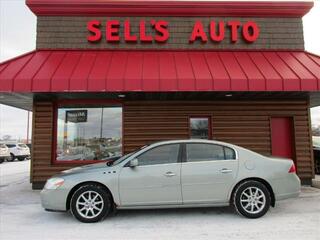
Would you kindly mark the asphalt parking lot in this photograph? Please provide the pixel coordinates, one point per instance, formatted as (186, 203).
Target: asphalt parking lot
(21, 217)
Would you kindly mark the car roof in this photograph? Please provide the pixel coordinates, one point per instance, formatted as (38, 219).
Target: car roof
(192, 141)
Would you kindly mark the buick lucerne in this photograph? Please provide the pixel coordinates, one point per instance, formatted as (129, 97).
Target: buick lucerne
(174, 174)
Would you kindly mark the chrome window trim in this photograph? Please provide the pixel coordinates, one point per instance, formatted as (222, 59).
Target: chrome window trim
(158, 144)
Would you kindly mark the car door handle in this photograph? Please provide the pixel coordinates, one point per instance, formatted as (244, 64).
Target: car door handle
(225, 170)
(169, 174)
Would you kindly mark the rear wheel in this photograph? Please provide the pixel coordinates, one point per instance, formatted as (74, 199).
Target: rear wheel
(21, 158)
(252, 199)
(90, 203)
(1, 160)
(12, 157)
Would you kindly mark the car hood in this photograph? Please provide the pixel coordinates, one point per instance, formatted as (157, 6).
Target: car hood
(85, 168)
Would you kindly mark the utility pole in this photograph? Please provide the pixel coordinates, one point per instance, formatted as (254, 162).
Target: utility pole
(101, 124)
(28, 127)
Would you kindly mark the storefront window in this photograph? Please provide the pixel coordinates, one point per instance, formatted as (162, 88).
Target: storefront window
(89, 133)
(199, 128)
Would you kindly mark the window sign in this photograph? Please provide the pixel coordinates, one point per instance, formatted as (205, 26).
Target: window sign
(76, 116)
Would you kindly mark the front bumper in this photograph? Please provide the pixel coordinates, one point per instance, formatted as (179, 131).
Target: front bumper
(54, 200)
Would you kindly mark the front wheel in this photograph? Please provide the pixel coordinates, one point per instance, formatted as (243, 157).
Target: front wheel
(90, 203)
(21, 158)
(252, 199)
(12, 158)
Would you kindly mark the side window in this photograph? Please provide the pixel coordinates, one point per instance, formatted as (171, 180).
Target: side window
(160, 155)
(198, 152)
(229, 153)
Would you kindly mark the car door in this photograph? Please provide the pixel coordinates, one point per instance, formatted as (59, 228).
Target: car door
(155, 181)
(207, 173)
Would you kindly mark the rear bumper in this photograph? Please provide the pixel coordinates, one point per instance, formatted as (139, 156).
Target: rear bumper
(287, 187)
(287, 195)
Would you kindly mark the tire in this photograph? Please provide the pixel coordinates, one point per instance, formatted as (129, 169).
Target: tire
(252, 199)
(12, 158)
(1, 160)
(21, 159)
(87, 212)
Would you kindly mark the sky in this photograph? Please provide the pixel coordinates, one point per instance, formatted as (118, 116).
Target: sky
(18, 34)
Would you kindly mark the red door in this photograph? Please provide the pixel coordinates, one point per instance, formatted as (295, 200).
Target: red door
(282, 137)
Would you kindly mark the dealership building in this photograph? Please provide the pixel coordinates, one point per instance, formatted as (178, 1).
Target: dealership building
(108, 77)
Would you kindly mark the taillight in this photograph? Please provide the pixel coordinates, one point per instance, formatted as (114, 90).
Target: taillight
(292, 168)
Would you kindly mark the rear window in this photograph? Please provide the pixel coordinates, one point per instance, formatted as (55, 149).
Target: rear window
(199, 152)
(3, 146)
(229, 153)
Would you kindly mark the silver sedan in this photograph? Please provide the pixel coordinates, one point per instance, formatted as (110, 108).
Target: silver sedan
(174, 174)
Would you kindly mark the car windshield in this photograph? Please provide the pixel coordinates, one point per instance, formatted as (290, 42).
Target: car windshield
(22, 145)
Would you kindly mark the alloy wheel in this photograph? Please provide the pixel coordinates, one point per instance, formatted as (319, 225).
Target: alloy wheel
(89, 204)
(253, 200)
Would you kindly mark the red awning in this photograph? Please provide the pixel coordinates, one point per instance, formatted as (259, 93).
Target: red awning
(160, 71)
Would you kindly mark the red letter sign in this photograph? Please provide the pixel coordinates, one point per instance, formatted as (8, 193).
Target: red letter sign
(250, 31)
(127, 36)
(214, 36)
(143, 36)
(161, 28)
(160, 32)
(234, 25)
(93, 27)
(112, 31)
(198, 32)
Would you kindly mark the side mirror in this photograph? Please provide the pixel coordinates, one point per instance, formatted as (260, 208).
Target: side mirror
(133, 163)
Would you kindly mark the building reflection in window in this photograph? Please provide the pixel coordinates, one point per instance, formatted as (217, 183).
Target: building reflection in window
(89, 133)
(199, 128)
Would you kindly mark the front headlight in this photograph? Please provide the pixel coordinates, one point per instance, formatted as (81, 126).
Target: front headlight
(54, 183)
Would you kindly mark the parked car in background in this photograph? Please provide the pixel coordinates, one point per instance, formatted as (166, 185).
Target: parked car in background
(4, 153)
(316, 155)
(18, 151)
(173, 174)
